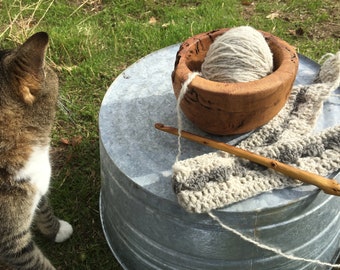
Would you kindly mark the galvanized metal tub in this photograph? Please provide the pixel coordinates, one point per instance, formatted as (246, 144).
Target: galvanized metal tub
(146, 228)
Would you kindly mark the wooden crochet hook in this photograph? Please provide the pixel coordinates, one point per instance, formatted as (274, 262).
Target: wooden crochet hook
(329, 186)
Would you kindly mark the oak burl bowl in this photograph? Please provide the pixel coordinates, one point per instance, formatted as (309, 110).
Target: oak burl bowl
(223, 108)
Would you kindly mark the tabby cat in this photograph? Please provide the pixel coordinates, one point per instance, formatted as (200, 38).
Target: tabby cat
(28, 97)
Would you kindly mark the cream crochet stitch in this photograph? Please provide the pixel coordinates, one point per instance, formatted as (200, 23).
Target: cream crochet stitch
(218, 179)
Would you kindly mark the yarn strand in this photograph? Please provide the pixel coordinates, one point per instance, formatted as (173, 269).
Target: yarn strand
(184, 89)
(269, 248)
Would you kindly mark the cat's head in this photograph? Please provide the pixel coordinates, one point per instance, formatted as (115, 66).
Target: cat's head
(22, 70)
(28, 94)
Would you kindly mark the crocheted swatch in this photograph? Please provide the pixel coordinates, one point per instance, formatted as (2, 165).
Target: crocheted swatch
(218, 179)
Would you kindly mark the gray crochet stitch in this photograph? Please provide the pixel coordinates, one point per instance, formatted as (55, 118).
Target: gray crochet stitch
(218, 179)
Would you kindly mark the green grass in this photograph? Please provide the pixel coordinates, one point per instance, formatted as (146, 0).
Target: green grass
(92, 42)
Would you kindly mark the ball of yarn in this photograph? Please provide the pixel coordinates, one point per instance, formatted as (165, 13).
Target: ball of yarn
(239, 55)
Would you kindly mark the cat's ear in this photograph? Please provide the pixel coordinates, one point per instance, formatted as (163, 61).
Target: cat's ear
(27, 65)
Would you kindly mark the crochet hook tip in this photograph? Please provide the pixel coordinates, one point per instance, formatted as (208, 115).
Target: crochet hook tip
(166, 128)
(159, 126)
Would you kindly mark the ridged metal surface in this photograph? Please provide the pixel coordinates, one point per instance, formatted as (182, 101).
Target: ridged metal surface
(146, 228)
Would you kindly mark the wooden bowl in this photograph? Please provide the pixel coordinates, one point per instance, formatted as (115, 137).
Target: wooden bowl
(233, 108)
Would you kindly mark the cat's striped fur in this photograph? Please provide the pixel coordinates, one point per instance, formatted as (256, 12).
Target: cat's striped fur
(28, 97)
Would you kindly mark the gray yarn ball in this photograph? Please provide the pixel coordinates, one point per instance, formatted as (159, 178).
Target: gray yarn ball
(239, 55)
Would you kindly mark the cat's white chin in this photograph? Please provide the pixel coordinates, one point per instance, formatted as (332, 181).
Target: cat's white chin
(65, 231)
(37, 169)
